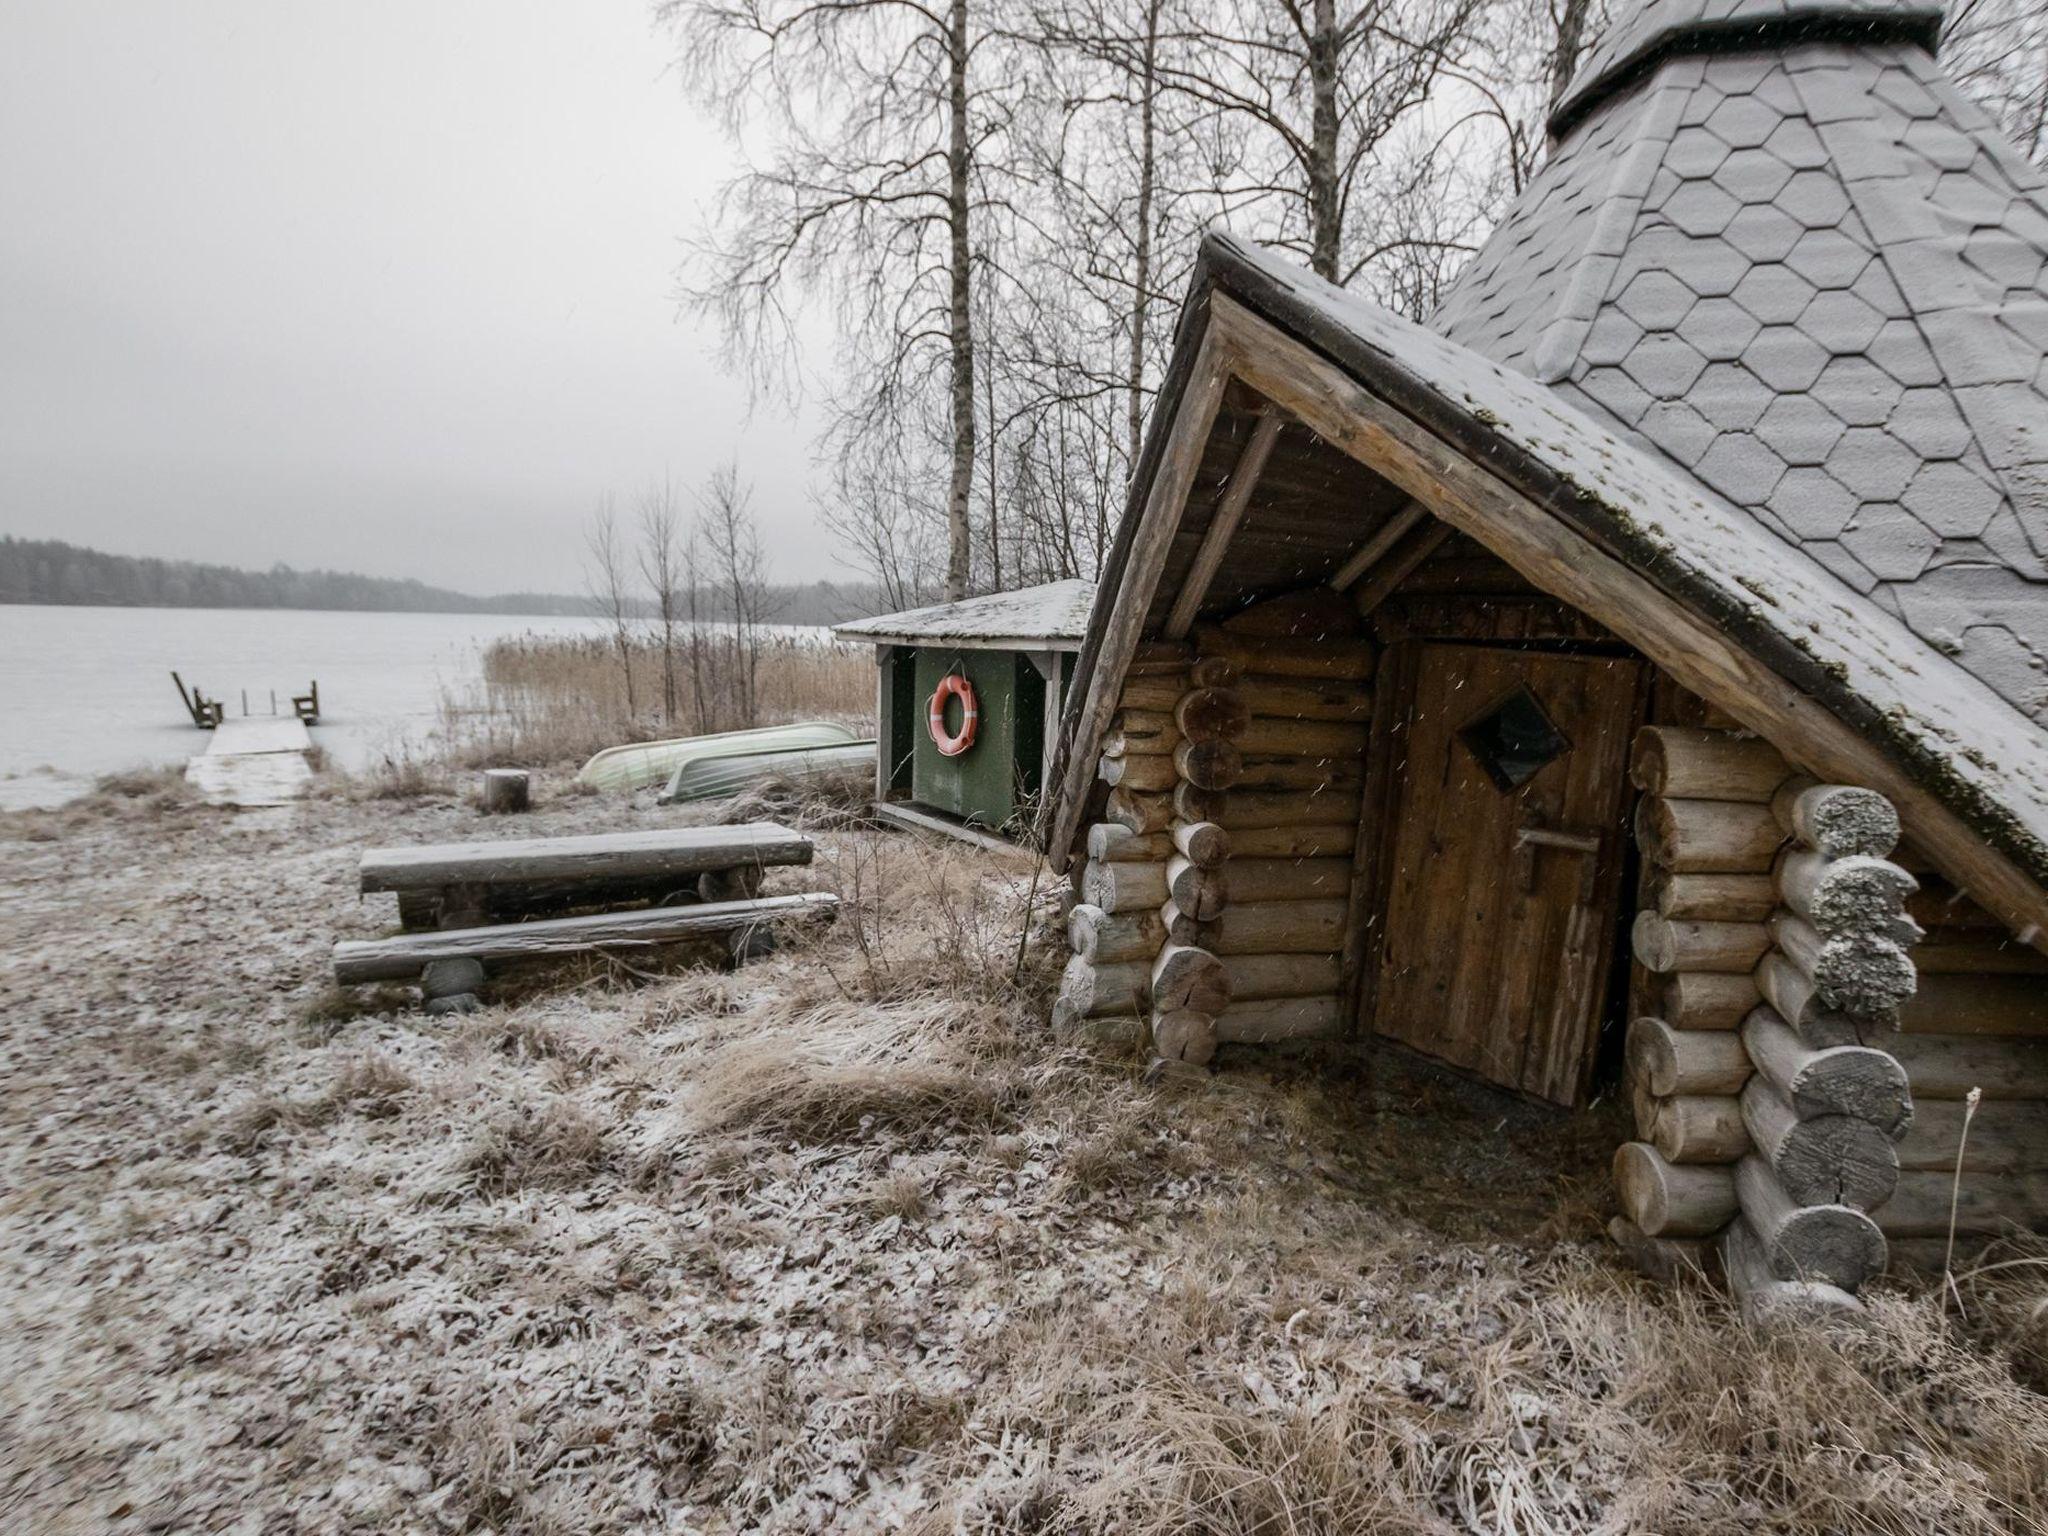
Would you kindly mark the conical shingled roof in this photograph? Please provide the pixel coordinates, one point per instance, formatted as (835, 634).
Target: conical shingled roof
(1778, 245)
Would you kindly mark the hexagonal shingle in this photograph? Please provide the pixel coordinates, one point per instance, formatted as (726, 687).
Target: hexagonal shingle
(1610, 338)
(1841, 322)
(1963, 195)
(1751, 175)
(1827, 258)
(1742, 468)
(1664, 365)
(1743, 122)
(1656, 301)
(1888, 539)
(1678, 429)
(1700, 208)
(1710, 266)
(1929, 423)
(1873, 464)
(2004, 258)
(1815, 199)
(1800, 429)
(1830, 553)
(1695, 153)
(1620, 394)
(1902, 352)
(1774, 294)
(1813, 504)
(1785, 358)
(1719, 329)
(1951, 500)
(1794, 142)
(1730, 396)
(1858, 391)
(1763, 233)
(1942, 144)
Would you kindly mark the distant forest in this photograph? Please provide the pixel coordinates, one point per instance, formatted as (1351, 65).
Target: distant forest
(49, 571)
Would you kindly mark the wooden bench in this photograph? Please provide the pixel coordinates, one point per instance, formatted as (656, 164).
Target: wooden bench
(407, 957)
(461, 884)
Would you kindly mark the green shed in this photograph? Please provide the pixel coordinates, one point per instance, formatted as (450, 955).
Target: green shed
(976, 775)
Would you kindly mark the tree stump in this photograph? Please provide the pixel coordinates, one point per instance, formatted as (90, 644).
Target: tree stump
(507, 791)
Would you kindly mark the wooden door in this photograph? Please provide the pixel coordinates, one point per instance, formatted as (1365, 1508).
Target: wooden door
(1504, 861)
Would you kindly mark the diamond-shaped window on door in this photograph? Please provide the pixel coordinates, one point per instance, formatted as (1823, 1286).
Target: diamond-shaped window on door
(1514, 740)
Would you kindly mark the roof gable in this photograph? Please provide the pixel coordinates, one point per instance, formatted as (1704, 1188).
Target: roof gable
(1816, 279)
(1612, 527)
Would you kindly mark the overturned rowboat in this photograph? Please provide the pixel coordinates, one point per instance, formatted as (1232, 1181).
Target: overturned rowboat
(643, 763)
(714, 778)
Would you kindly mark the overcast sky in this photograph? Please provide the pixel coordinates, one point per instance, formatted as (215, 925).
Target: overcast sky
(385, 285)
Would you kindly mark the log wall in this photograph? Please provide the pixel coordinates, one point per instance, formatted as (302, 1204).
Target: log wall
(1806, 989)
(1224, 867)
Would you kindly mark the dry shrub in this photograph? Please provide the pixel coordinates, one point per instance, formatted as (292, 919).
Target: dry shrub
(555, 1144)
(2000, 1300)
(373, 1086)
(1569, 1398)
(144, 784)
(396, 776)
(554, 698)
(901, 1193)
(151, 795)
(842, 1070)
(827, 802)
(252, 1123)
(919, 916)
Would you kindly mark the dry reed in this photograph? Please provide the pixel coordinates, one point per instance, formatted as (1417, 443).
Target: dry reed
(550, 699)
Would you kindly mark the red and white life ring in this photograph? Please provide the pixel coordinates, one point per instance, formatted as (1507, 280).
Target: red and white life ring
(952, 743)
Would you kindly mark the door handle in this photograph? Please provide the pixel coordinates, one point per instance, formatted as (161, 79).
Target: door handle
(1532, 834)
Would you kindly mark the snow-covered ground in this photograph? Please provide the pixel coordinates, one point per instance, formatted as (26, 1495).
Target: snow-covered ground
(839, 1242)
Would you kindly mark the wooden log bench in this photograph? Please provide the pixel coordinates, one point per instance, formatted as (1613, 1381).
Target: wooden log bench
(462, 884)
(407, 957)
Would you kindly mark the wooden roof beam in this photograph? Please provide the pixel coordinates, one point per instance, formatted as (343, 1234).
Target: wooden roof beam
(1379, 585)
(1201, 398)
(1244, 479)
(1375, 548)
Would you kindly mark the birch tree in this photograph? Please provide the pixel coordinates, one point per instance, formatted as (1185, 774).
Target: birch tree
(877, 122)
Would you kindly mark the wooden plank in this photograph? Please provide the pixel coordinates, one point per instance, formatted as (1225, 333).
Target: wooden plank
(1490, 964)
(1164, 505)
(1216, 538)
(248, 737)
(250, 778)
(1565, 563)
(911, 819)
(607, 855)
(398, 959)
(1375, 548)
(1399, 566)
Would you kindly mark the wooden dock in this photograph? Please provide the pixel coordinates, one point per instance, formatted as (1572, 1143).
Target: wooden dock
(255, 761)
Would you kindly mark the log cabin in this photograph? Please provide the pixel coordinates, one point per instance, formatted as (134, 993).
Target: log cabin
(1649, 649)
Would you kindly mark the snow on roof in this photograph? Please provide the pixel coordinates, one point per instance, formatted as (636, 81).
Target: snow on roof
(1049, 617)
(1968, 745)
(1655, 28)
(1778, 246)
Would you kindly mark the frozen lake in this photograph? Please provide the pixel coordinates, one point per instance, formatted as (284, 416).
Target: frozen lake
(87, 691)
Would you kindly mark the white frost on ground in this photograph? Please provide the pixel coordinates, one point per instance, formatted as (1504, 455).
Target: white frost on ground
(837, 1243)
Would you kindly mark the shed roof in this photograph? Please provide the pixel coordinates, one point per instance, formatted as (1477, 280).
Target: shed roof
(1775, 244)
(1049, 617)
